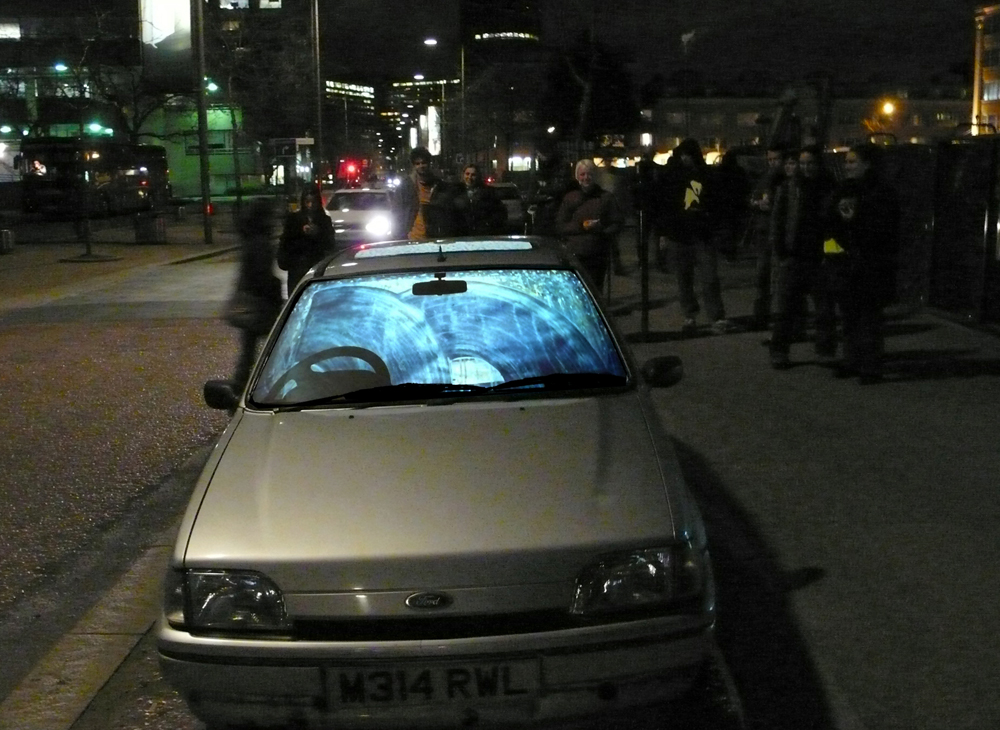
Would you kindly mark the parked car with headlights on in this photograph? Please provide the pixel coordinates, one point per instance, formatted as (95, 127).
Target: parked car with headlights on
(359, 215)
(443, 499)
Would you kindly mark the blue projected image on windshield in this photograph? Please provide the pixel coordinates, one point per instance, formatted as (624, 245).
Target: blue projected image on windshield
(508, 325)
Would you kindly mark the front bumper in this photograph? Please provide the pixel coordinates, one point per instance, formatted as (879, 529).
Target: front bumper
(580, 673)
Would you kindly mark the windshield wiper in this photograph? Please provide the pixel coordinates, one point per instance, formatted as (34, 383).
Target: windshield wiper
(410, 391)
(564, 381)
(439, 392)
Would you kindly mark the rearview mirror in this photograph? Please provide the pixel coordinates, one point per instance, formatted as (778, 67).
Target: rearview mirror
(221, 395)
(439, 287)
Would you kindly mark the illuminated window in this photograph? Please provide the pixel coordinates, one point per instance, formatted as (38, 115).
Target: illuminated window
(519, 164)
(991, 90)
(234, 4)
(270, 4)
(9, 31)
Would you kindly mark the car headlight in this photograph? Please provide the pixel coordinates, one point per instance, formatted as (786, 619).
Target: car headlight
(650, 578)
(379, 226)
(224, 600)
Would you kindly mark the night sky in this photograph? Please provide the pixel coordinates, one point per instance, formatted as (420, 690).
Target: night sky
(909, 41)
(905, 41)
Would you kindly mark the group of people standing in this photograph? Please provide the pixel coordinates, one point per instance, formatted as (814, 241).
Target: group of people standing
(431, 207)
(834, 243)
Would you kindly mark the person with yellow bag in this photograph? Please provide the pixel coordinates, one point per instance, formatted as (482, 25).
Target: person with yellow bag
(860, 254)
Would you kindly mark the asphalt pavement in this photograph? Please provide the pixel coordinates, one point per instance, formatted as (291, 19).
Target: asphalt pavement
(854, 527)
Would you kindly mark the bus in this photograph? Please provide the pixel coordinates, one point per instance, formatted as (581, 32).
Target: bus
(92, 176)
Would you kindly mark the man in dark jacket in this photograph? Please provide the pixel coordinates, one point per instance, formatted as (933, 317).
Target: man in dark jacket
(589, 219)
(860, 261)
(426, 206)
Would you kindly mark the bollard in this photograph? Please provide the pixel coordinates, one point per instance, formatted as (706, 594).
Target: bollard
(150, 228)
(6, 241)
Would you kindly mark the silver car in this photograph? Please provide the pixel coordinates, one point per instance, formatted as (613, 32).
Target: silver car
(443, 499)
(359, 215)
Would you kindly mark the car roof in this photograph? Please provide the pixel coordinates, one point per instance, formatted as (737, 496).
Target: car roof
(447, 253)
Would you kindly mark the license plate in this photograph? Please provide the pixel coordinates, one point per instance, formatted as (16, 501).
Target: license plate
(421, 684)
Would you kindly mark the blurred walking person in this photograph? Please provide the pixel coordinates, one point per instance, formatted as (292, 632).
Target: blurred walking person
(256, 299)
(589, 220)
(860, 261)
(307, 237)
(688, 201)
(796, 241)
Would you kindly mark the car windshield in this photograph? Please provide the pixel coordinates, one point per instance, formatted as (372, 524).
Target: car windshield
(404, 337)
(358, 201)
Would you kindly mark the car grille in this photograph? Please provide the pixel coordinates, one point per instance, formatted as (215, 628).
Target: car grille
(439, 627)
(459, 627)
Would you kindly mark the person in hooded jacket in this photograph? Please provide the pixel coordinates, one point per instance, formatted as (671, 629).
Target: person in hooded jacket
(687, 203)
(307, 237)
(589, 219)
(860, 255)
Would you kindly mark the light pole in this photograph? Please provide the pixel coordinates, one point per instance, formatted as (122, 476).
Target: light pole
(461, 141)
(206, 190)
(318, 141)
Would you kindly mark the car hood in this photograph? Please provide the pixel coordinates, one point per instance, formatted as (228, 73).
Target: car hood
(378, 498)
(360, 215)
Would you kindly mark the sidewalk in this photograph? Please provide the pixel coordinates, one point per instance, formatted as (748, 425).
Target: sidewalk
(48, 262)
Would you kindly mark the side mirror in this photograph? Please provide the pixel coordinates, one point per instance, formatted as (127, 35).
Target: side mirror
(221, 395)
(662, 371)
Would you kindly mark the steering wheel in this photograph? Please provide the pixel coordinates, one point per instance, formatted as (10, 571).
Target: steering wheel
(303, 368)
